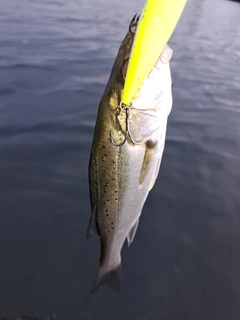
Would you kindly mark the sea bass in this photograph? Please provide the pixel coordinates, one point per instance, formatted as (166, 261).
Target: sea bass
(125, 158)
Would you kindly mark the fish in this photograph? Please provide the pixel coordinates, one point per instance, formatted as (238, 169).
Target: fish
(125, 158)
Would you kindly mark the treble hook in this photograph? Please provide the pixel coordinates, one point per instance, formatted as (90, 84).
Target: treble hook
(127, 132)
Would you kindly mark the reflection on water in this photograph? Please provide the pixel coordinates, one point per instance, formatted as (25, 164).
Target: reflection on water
(55, 59)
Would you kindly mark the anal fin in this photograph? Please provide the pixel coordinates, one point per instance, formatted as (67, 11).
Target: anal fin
(132, 232)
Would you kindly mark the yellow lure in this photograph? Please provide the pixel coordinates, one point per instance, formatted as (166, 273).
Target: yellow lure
(156, 24)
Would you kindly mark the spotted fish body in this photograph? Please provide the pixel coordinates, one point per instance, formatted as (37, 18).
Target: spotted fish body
(121, 177)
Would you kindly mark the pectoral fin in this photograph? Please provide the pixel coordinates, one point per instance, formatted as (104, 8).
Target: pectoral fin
(148, 159)
(153, 157)
(132, 232)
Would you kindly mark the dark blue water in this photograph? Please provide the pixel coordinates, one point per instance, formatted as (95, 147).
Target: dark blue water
(184, 264)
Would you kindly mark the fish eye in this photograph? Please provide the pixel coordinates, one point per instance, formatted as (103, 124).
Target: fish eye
(124, 69)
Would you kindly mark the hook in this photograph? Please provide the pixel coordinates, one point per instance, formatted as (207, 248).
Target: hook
(127, 132)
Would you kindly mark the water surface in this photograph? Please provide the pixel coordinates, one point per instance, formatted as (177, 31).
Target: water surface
(184, 263)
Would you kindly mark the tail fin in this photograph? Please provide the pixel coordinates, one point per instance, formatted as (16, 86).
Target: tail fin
(112, 277)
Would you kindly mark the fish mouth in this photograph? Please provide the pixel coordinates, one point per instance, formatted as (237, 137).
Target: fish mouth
(133, 24)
